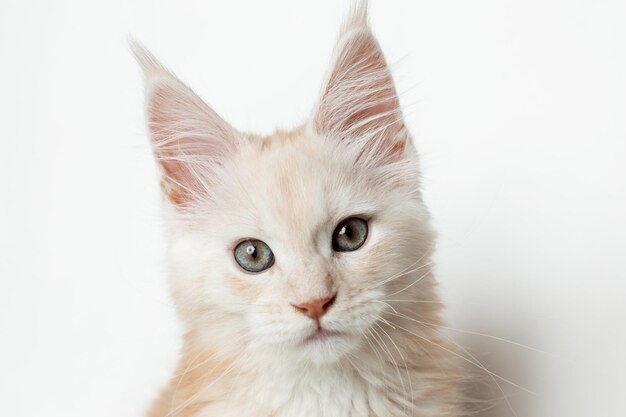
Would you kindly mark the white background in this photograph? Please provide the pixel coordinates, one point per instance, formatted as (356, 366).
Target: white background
(517, 108)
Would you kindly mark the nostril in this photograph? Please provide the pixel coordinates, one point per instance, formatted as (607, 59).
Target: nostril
(300, 309)
(329, 303)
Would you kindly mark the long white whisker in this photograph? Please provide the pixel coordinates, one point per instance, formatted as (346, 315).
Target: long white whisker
(467, 360)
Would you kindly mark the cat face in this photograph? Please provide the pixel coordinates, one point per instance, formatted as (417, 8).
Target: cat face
(293, 242)
(292, 192)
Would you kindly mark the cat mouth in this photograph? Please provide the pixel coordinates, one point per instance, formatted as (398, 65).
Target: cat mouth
(320, 335)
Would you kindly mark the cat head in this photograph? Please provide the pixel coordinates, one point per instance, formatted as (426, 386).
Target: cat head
(296, 242)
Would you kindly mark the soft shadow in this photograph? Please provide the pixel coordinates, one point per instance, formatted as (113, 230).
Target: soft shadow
(510, 362)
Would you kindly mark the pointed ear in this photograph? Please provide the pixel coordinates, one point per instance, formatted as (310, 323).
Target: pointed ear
(358, 101)
(189, 140)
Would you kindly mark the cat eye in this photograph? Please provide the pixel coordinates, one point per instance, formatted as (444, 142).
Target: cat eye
(350, 235)
(254, 255)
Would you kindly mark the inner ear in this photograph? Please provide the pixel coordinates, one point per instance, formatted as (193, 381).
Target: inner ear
(359, 91)
(359, 102)
(189, 139)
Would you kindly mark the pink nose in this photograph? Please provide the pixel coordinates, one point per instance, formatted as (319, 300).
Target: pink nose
(317, 308)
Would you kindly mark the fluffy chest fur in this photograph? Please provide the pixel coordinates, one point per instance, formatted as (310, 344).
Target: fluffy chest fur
(292, 391)
(330, 393)
(377, 381)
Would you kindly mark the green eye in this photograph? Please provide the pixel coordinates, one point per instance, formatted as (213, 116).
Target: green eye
(350, 235)
(254, 255)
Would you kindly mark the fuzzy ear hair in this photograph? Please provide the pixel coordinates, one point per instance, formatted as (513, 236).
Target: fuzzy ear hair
(189, 140)
(358, 101)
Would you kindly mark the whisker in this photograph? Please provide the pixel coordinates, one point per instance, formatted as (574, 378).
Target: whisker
(413, 283)
(479, 365)
(406, 367)
(391, 359)
(474, 333)
(466, 360)
(403, 272)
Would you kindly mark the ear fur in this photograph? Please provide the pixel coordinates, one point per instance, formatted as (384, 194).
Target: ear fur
(358, 102)
(189, 139)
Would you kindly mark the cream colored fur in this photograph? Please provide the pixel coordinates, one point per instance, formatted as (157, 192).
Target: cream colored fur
(244, 352)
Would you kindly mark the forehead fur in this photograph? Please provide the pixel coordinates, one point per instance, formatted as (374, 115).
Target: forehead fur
(304, 179)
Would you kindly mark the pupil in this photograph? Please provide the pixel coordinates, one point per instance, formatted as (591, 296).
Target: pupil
(251, 251)
(347, 231)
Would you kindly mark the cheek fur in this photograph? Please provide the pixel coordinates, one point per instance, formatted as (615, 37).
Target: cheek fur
(243, 288)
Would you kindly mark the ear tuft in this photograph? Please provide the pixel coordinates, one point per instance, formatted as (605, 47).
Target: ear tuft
(356, 18)
(150, 66)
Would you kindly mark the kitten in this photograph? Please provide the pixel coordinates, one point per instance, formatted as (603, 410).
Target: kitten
(300, 262)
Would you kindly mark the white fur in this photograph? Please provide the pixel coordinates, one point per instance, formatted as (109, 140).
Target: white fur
(291, 190)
